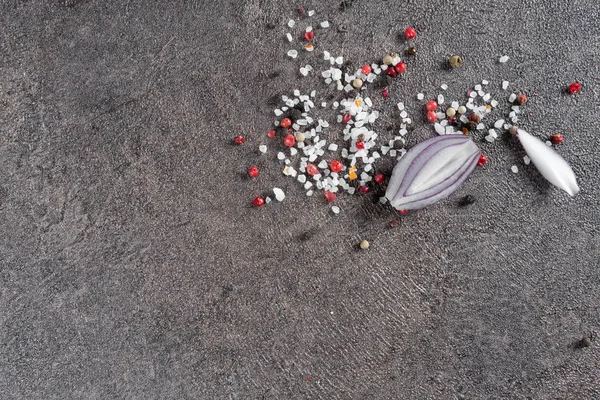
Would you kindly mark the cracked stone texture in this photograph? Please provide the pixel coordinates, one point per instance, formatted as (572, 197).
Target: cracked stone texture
(132, 262)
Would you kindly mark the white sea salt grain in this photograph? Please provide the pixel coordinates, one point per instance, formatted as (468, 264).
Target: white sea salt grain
(292, 53)
(514, 169)
(267, 199)
(309, 193)
(279, 194)
(291, 23)
(498, 124)
(473, 94)
(311, 13)
(301, 178)
(504, 85)
(339, 61)
(512, 97)
(332, 147)
(503, 59)
(420, 96)
(325, 24)
(478, 87)
(454, 105)
(548, 143)
(262, 148)
(489, 138)
(526, 160)
(484, 82)
(335, 209)
(444, 86)
(401, 106)
(439, 129)
(293, 151)
(494, 103)
(440, 99)
(289, 36)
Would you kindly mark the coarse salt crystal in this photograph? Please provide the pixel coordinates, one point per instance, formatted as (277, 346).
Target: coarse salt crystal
(302, 178)
(444, 86)
(489, 138)
(514, 169)
(477, 87)
(291, 23)
(449, 130)
(267, 199)
(401, 106)
(486, 97)
(440, 99)
(403, 114)
(473, 94)
(335, 209)
(484, 82)
(439, 128)
(493, 133)
(289, 36)
(498, 124)
(548, 143)
(455, 105)
(326, 55)
(480, 127)
(292, 53)
(293, 151)
(262, 148)
(339, 61)
(504, 85)
(277, 112)
(311, 13)
(280, 156)
(325, 24)
(512, 97)
(420, 96)
(392, 153)
(279, 194)
(526, 160)
(494, 103)
(503, 59)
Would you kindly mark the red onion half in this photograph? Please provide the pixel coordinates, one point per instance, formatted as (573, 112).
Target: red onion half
(431, 171)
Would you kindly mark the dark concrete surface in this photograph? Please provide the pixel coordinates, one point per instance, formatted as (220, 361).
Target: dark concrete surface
(132, 265)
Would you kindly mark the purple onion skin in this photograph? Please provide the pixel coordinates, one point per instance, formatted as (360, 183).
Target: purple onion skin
(431, 171)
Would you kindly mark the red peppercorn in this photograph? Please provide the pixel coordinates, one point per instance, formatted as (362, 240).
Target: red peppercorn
(253, 171)
(482, 160)
(379, 178)
(289, 140)
(363, 189)
(400, 67)
(309, 36)
(336, 166)
(521, 99)
(575, 87)
(259, 201)
(410, 33)
(475, 118)
(272, 133)
(431, 116)
(557, 138)
(431, 105)
(403, 212)
(330, 196)
(385, 93)
(451, 119)
(301, 11)
(312, 169)
(360, 145)
(346, 118)
(390, 71)
(394, 223)
(366, 69)
(286, 123)
(239, 139)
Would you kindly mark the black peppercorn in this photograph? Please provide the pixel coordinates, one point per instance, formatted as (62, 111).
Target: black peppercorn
(412, 51)
(466, 201)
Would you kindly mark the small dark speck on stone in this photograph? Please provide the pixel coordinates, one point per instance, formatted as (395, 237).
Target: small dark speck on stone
(466, 201)
(345, 4)
(270, 25)
(342, 29)
(584, 342)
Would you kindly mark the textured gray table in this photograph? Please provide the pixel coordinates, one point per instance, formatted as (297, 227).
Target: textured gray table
(132, 265)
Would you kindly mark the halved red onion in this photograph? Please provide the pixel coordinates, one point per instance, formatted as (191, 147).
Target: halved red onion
(431, 171)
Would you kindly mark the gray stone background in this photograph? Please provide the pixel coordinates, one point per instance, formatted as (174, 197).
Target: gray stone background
(132, 262)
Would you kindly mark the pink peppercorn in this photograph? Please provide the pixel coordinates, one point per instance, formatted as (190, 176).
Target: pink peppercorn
(410, 33)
